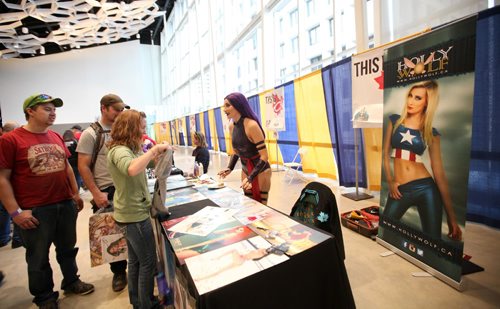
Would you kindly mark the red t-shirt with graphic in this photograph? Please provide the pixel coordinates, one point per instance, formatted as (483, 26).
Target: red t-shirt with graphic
(38, 162)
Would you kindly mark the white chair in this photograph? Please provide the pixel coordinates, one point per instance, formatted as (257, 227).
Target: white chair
(292, 168)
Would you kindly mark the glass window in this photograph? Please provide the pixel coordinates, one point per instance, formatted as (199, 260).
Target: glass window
(282, 50)
(310, 7)
(294, 18)
(295, 44)
(330, 26)
(313, 36)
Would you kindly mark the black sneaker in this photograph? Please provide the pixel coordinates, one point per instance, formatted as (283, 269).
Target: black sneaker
(80, 288)
(119, 282)
(51, 304)
(16, 244)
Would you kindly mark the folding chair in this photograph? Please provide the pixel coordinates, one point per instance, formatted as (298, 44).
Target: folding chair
(292, 168)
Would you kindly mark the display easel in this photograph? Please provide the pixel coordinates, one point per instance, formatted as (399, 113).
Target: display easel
(356, 196)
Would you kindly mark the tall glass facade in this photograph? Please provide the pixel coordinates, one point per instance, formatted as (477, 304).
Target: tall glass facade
(210, 48)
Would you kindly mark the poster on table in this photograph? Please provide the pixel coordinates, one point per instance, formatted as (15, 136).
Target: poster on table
(423, 211)
(368, 89)
(275, 109)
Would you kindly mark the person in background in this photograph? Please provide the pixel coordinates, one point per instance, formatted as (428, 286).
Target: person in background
(71, 143)
(200, 153)
(127, 163)
(39, 190)
(147, 142)
(247, 137)
(77, 131)
(92, 166)
(5, 219)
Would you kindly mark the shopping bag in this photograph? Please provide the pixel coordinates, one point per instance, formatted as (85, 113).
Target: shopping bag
(107, 241)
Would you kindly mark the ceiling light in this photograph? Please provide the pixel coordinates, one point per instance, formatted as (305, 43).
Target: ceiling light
(24, 30)
(42, 50)
(138, 36)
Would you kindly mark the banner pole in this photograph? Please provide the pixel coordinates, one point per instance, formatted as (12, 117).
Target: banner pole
(356, 196)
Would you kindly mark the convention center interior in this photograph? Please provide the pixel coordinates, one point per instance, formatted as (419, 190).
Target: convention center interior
(218, 154)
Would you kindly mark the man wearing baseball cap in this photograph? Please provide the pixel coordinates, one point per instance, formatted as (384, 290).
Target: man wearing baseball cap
(93, 167)
(39, 190)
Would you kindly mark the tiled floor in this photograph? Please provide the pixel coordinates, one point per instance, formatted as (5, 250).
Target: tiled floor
(377, 282)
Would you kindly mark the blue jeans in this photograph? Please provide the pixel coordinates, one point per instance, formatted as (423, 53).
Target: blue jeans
(141, 263)
(58, 226)
(5, 227)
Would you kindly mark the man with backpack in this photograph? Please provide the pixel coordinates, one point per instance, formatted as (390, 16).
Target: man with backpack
(92, 165)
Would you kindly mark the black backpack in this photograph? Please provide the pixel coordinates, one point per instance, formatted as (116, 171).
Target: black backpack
(317, 206)
(99, 142)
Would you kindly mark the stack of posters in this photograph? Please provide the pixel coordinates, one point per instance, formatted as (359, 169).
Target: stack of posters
(183, 196)
(204, 231)
(278, 228)
(231, 263)
(177, 182)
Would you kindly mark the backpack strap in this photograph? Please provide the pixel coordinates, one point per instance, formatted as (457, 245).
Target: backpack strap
(99, 142)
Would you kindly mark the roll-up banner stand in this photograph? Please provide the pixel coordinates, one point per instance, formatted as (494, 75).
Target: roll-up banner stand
(423, 207)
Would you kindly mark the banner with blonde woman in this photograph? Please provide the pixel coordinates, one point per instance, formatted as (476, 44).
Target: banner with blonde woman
(428, 99)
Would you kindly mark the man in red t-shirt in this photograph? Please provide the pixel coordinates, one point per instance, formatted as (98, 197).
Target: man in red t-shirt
(39, 190)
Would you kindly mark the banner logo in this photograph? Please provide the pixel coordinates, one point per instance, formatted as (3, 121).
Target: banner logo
(423, 66)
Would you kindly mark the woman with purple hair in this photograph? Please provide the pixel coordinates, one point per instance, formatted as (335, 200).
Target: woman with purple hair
(247, 137)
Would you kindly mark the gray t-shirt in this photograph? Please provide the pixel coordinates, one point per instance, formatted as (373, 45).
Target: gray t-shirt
(86, 143)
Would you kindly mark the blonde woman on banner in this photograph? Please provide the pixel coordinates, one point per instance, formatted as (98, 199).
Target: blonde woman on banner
(247, 138)
(406, 139)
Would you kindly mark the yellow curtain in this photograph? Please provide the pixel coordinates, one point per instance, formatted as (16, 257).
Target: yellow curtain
(274, 158)
(202, 123)
(168, 133)
(312, 126)
(156, 129)
(373, 154)
(213, 131)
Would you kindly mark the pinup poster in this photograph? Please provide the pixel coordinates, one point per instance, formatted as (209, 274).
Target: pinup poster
(107, 243)
(275, 109)
(426, 222)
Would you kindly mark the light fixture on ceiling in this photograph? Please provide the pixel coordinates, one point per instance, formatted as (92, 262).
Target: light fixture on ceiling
(138, 35)
(121, 21)
(42, 50)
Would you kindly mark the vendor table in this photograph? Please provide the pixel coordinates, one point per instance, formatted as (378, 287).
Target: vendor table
(313, 278)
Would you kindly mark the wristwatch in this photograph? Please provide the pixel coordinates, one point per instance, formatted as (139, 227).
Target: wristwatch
(16, 213)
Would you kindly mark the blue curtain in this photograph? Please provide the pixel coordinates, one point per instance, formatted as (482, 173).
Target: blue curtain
(171, 131)
(188, 131)
(207, 130)
(288, 140)
(219, 126)
(253, 101)
(338, 98)
(197, 121)
(484, 176)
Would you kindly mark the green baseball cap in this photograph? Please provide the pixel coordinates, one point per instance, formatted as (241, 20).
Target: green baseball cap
(41, 99)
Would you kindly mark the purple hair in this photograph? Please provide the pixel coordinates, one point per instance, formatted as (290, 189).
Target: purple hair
(240, 102)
